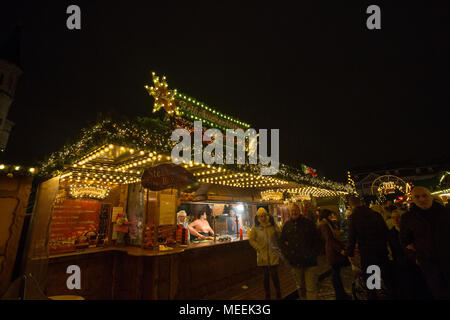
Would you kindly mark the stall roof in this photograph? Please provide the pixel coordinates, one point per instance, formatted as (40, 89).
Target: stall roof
(113, 152)
(114, 165)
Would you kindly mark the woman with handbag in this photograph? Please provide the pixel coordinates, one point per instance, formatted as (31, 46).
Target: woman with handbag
(333, 248)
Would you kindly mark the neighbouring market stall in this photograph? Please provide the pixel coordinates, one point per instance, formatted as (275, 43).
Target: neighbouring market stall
(101, 183)
(442, 188)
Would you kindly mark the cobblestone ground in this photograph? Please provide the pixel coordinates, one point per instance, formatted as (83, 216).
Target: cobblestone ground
(326, 291)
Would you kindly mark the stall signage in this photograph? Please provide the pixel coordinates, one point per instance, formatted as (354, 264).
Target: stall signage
(389, 187)
(166, 176)
(89, 191)
(271, 195)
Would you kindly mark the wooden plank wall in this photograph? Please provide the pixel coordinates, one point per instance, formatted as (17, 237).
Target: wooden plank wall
(192, 274)
(14, 193)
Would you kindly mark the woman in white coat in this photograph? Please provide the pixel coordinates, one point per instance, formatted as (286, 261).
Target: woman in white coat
(264, 238)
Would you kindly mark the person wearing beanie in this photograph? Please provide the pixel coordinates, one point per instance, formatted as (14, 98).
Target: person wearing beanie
(264, 238)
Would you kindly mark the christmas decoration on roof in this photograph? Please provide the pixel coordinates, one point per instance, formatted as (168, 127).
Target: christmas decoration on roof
(164, 98)
(179, 104)
(308, 170)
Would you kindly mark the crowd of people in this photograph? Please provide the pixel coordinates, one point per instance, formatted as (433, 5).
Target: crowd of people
(410, 246)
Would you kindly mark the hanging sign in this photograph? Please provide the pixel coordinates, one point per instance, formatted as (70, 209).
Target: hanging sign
(89, 191)
(389, 187)
(165, 176)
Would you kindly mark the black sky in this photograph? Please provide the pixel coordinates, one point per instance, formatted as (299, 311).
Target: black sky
(341, 95)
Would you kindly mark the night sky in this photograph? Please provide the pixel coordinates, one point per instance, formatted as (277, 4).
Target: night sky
(341, 95)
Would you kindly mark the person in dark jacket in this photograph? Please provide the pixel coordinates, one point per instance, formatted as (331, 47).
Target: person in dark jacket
(368, 229)
(408, 280)
(333, 248)
(425, 233)
(300, 244)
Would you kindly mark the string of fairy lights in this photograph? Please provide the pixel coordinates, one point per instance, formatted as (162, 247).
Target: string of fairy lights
(240, 180)
(214, 112)
(89, 169)
(16, 169)
(303, 193)
(350, 181)
(100, 166)
(112, 164)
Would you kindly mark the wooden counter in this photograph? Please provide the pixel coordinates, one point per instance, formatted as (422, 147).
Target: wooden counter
(194, 272)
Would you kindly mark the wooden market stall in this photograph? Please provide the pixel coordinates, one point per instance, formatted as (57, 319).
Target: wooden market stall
(121, 174)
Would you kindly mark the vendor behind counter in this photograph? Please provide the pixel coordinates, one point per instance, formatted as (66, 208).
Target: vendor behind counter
(200, 228)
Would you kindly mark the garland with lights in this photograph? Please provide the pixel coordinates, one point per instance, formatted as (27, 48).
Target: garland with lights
(146, 132)
(139, 134)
